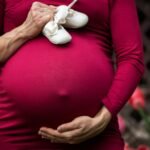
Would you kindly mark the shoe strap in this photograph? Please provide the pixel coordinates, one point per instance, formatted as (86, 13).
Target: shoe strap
(72, 3)
(51, 28)
(66, 12)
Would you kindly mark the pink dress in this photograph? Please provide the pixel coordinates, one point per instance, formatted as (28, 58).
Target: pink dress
(43, 84)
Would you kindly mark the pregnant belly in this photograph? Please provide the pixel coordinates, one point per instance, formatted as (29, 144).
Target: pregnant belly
(53, 84)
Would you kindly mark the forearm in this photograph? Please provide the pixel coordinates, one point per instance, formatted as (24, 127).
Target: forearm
(11, 41)
(128, 47)
(31, 28)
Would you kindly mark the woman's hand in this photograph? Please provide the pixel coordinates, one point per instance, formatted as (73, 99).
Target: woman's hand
(79, 130)
(38, 16)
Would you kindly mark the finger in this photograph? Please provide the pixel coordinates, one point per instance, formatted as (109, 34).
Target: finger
(50, 132)
(42, 11)
(45, 10)
(35, 5)
(45, 135)
(68, 127)
(39, 4)
(58, 141)
(52, 7)
(67, 137)
(43, 5)
(54, 139)
(73, 133)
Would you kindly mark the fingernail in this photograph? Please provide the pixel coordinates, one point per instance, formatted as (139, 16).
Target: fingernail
(43, 128)
(59, 128)
(43, 137)
(39, 132)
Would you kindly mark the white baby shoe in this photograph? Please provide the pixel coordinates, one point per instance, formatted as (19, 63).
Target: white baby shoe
(64, 16)
(76, 19)
(56, 33)
(70, 18)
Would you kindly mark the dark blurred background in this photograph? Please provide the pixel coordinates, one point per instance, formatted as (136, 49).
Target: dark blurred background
(134, 129)
(144, 18)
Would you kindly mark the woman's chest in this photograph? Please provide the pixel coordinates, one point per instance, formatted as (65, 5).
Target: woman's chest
(97, 10)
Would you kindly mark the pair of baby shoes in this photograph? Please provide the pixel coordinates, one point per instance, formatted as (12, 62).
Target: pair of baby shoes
(64, 17)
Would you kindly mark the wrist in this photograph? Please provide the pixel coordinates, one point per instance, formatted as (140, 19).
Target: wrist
(22, 32)
(103, 116)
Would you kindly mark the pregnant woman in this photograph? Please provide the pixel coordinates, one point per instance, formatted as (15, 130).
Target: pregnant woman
(67, 97)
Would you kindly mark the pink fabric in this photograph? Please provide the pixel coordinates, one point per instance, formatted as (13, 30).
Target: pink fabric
(46, 85)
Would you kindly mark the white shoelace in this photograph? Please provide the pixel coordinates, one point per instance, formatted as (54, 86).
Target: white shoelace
(72, 3)
(63, 12)
(59, 18)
